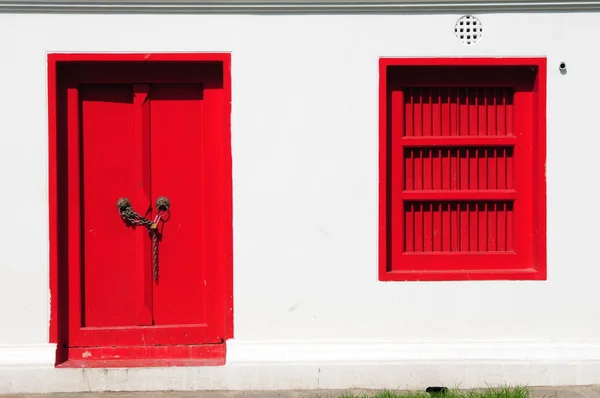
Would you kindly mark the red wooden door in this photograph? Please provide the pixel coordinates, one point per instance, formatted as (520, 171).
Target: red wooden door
(142, 140)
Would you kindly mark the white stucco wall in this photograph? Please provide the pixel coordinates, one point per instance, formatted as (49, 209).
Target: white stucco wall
(305, 185)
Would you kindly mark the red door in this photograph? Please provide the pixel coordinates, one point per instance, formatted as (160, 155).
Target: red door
(141, 132)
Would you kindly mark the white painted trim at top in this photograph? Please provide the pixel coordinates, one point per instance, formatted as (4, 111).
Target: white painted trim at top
(294, 6)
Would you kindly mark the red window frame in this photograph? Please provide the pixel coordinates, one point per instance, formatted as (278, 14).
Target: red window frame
(58, 277)
(527, 260)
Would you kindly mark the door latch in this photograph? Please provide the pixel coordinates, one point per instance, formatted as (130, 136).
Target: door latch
(132, 218)
(162, 207)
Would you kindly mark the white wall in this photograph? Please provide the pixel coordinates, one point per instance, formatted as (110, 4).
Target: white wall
(305, 172)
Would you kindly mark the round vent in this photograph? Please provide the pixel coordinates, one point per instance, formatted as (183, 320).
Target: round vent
(468, 29)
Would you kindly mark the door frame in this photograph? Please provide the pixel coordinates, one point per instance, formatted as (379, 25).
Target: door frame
(58, 218)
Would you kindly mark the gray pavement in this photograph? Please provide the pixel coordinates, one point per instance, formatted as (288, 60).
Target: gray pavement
(538, 392)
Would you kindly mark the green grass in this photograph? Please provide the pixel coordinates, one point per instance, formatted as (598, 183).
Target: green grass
(492, 392)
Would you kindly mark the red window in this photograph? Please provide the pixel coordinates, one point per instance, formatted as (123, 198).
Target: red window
(462, 169)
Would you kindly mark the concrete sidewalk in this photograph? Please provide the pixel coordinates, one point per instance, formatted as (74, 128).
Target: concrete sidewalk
(539, 392)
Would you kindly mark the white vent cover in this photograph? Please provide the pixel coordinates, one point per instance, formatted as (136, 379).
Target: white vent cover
(468, 29)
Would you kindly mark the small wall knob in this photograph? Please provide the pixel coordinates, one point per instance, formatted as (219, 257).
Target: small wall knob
(562, 66)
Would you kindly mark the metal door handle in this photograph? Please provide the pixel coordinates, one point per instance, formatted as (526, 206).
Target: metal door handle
(163, 204)
(123, 204)
(132, 218)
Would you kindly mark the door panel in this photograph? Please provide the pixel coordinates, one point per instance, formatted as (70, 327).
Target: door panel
(142, 141)
(109, 248)
(176, 114)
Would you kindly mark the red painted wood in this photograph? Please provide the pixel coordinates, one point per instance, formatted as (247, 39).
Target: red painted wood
(451, 205)
(156, 72)
(143, 199)
(73, 218)
(110, 252)
(433, 217)
(397, 164)
(539, 161)
(101, 126)
(472, 275)
(455, 141)
(179, 162)
(457, 195)
(146, 356)
(185, 158)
